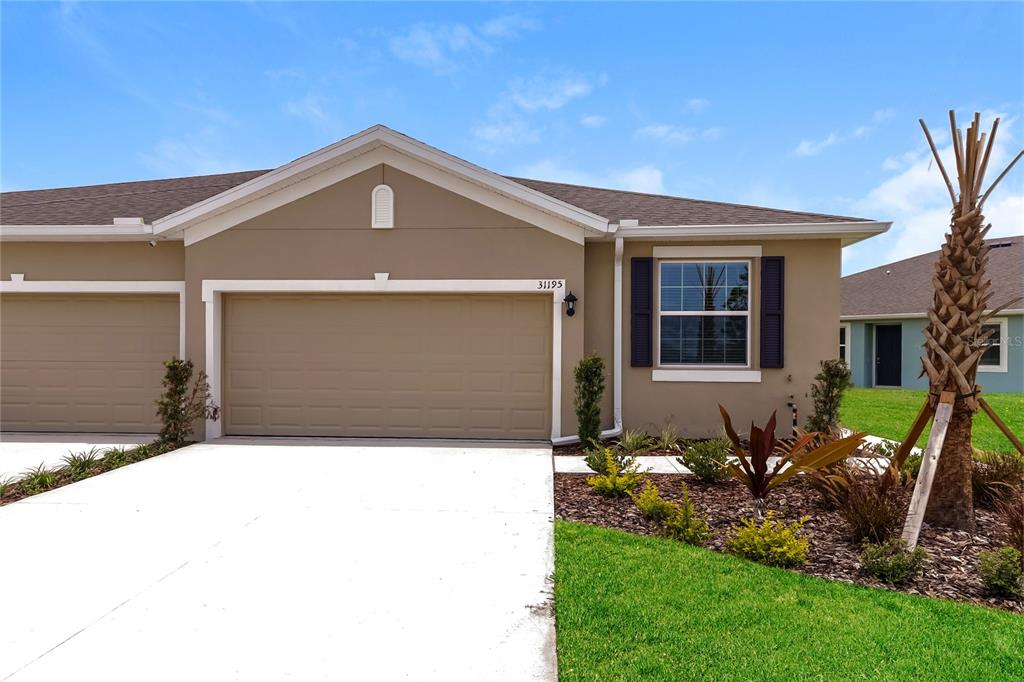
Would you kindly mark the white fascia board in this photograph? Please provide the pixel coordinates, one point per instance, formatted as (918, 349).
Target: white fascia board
(92, 287)
(305, 171)
(849, 232)
(911, 316)
(76, 233)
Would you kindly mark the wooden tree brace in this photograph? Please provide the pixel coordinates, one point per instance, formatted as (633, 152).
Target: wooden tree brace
(1002, 425)
(929, 464)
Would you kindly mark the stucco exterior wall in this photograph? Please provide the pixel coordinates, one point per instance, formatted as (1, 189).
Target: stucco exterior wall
(96, 261)
(437, 235)
(811, 306)
(599, 299)
(862, 356)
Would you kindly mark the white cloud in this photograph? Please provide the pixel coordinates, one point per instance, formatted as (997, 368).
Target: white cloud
(915, 199)
(813, 147)
(697, 104)
(593, 121)
(548, 92)
(509, 26)
(645, 178)
(712, 133)
(504, 133)
(200, 153)
(286, 73)
(674, 134)
(440, 48)
(315, 109)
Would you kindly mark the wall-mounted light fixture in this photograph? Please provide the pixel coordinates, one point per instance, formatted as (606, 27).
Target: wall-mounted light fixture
(570, 304)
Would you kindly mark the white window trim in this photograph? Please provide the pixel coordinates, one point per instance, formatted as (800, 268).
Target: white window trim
(848, 344)
(752, 376)
(702, 252)
(119, 287)
(1004, 334)
(390, 194)
(214, 289)
(713, 370)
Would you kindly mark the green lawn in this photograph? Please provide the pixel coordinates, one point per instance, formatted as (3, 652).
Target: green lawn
(631, 607)
(889, 412)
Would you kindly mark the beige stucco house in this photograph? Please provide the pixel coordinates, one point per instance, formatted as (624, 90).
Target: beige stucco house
(381, 287)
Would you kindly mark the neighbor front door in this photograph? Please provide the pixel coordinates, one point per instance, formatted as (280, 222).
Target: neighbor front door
(888, 353)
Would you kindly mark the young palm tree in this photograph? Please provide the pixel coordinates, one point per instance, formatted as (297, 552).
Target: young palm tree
(954, 341)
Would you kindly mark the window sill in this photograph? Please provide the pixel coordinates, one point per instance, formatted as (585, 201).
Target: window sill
(999, 369)
(745, 376)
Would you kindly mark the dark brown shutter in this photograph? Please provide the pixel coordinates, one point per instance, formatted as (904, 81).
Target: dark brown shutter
(641, 313)
(773, 271)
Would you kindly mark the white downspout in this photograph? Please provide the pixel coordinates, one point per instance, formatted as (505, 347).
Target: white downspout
(616, 429)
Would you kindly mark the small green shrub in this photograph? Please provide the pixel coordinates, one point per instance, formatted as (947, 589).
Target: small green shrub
(38, 479)
(773, 543)
(994, 475)
(589, 375)
(81, 465)
(911, 467)
(652, 505)
(183, 402)
(635, 442)
(597, 459)
(891, 562)
(6, 485)
(1001, 572)
(668, 439)
(616, 482)
(686, 524)
(827, 393)
(707, 458)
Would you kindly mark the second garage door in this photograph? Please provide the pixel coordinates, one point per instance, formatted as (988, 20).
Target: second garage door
(445, 366)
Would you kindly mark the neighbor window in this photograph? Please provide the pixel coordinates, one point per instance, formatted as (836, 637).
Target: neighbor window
(844, 343)
(993, 359)
(704, 313)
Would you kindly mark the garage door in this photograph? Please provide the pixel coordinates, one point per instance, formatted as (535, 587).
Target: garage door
(442, 366)
(84, 363)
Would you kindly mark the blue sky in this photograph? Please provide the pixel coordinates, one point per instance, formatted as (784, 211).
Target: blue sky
(803, 106)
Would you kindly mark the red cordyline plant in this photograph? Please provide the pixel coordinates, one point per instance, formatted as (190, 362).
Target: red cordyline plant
(800, 455)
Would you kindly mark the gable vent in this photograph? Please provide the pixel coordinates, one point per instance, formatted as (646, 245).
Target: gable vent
(383, 207)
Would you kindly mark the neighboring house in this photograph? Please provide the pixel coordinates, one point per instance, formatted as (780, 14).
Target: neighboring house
(381, 287)
(884, 313)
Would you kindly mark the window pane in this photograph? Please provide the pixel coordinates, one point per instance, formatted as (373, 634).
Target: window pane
(699, 287)
(671, 274)
(842, 336)
(990, 358)
(704, 340)
(671, 298)
(693, 275)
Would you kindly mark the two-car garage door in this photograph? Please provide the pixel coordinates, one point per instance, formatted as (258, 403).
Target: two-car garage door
(445, 366)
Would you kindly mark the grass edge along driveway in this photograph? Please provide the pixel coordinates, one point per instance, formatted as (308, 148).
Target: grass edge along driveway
(889, 412)
(632, 607)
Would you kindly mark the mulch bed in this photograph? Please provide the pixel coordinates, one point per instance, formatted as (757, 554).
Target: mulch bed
(951, 571)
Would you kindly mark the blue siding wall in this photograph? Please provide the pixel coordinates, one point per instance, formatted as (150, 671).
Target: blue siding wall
(862, 355)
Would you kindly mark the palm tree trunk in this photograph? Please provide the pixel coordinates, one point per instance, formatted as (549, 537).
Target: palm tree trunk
(951, 502)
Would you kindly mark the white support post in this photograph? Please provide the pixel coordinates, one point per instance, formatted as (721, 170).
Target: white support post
(213, 350)
(556, 364)
(929, 464)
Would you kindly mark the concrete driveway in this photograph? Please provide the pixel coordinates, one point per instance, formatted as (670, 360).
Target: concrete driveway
(20, 451)
(288, 559)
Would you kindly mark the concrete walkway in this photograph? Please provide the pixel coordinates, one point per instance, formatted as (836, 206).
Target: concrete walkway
(21, 451)
(274, 560)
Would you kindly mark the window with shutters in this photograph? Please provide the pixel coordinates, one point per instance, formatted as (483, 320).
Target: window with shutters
(703, 313)
(383, 207)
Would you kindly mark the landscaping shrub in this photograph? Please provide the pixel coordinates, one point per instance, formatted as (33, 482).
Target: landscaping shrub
(911, 467)
(82, 464)
(38, 479)
(1011, 509)
(872, 506)
(707, 459)
(1001, 572)
(597, 459)
(686, 524)
(891, 562)
(635, 442)
(771, 542)
(616, 481)
(679, 521)
(183, 403)
(798, 455)
(994, 475)
(827, 393)
(668, 439)
(6, 484)
(589, 374)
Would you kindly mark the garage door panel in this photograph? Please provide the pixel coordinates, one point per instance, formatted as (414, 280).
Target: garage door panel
(84, 362)
(380, 365)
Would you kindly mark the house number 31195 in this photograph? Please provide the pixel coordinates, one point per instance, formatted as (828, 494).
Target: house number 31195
(549, 284)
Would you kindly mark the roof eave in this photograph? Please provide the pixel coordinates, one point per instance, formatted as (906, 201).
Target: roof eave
(850, 232)
(79, 233)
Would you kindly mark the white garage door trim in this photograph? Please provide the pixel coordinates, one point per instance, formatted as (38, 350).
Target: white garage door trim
(120, 287)
(213, 290)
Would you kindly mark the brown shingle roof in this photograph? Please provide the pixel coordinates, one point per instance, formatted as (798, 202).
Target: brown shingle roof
(152, 199)
(906, 286)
